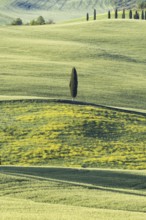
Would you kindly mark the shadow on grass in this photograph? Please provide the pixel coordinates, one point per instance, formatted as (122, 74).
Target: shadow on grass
(75, 102)
(110, 180)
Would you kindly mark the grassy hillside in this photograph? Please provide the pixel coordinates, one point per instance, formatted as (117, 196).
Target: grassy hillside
(68, 135)
(57, 10)
(109, 56)
(69, 194)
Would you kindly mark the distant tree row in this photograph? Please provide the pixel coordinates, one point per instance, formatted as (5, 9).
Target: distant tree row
(39, 21)
(135, 15)
(94, 15)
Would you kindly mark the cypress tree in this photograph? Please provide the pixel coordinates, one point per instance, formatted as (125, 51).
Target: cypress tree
(109, 14)
(73, 83)
(116, 13)
(130, 14)
(137, 15)
(142, 14)
(145, 15)
(123, 15)
(87, 16)
(94, 14)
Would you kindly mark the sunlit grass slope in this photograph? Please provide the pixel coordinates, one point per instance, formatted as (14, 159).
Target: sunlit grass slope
(71, 135)
(56, 193)
(110, 57)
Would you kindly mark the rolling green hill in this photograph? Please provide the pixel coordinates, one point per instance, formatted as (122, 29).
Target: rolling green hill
(36, 61)
(110, 57)
(49, 133)
(57, 10)
(67, 194)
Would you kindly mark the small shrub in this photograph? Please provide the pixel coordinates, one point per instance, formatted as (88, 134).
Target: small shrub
(33, 22)
(40, 20)
(17, 21)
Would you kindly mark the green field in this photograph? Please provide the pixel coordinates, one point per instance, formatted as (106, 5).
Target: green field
(50, 133)
(57, 193)
(44, 128)
(109, 57)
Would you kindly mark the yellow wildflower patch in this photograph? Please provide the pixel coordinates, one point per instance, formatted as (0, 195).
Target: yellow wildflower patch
(74, 135)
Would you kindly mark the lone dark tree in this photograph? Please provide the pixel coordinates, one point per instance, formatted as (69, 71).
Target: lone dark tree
(94, 14)
(123, 14)
(136, 15)
(142, 14)
(130, 14)
(116, 13)
(73, 83)
(109, 14)
(87, 16)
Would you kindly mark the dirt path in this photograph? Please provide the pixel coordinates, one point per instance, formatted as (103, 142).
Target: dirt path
(65, 101)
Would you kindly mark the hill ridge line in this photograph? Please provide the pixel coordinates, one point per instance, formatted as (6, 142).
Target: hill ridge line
(68, 101)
